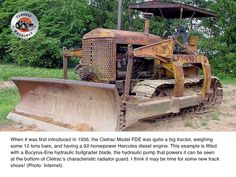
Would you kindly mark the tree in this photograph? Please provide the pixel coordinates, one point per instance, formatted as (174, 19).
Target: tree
(221, 43)
(63, 23)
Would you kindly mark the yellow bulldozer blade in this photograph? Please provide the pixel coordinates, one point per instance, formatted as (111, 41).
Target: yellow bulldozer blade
(73, 105)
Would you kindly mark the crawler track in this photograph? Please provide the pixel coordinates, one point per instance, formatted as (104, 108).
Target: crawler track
(214, 100)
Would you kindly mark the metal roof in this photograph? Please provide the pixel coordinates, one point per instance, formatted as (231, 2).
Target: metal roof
(171, 9)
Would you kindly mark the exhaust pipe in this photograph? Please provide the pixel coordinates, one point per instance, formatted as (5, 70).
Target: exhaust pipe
(147, 17)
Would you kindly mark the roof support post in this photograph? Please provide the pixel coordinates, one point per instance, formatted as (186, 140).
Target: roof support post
(119, 14)
(181, 12)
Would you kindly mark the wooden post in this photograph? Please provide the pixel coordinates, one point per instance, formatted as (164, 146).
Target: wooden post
(128, 72)
(65, 63)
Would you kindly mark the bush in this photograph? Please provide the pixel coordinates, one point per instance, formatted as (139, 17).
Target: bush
(60, 24)
(38, 51)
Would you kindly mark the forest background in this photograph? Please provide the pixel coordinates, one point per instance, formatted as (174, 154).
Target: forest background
(64, 22)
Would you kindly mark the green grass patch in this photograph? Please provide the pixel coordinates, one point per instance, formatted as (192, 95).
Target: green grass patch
(7, 71)
(8, 100)
(188, 122)
(228, 80)
(215, 116)
(204, 123)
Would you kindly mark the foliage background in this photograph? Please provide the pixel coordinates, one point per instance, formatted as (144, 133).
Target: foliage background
(63, 23)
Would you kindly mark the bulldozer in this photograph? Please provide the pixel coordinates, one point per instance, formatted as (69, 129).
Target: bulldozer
(126, 77)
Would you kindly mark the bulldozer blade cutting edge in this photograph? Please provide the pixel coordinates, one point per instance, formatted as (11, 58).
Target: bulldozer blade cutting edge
(75, 104)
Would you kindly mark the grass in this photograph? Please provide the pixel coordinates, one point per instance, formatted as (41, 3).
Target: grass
(188, 122)
(205, 119)
(215, 116)
(7, 71)
(202, 121)
(8, 100)
(227, 80)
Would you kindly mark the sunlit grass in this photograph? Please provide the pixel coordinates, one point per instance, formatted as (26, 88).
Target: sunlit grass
(8, 100)
(7, 71)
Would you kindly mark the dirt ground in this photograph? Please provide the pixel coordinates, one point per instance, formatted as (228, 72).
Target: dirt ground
(17, 127)
(221, 119)
(6, 84)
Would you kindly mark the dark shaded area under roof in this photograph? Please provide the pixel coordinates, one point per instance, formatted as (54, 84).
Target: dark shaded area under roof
(171, 9)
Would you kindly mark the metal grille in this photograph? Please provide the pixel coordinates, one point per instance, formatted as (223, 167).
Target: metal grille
(87, 52)
(101, 54)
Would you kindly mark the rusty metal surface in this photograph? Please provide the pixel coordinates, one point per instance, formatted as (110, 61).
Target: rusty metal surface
(178, 62)
(66, 55)
(171, 9)
(152, 108)
(99, 49)
(170, 106)
(179, 78)
(70, 102)
(163, 48)
(193, 41)
(72, 53)
(98, 105)
(147, 88)
(147, 17)
(104, 59)
(100, 33)
(157, 107)
(87, 57)
(100, 54)
(123, 37)
(207, 79)
(189, 58)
